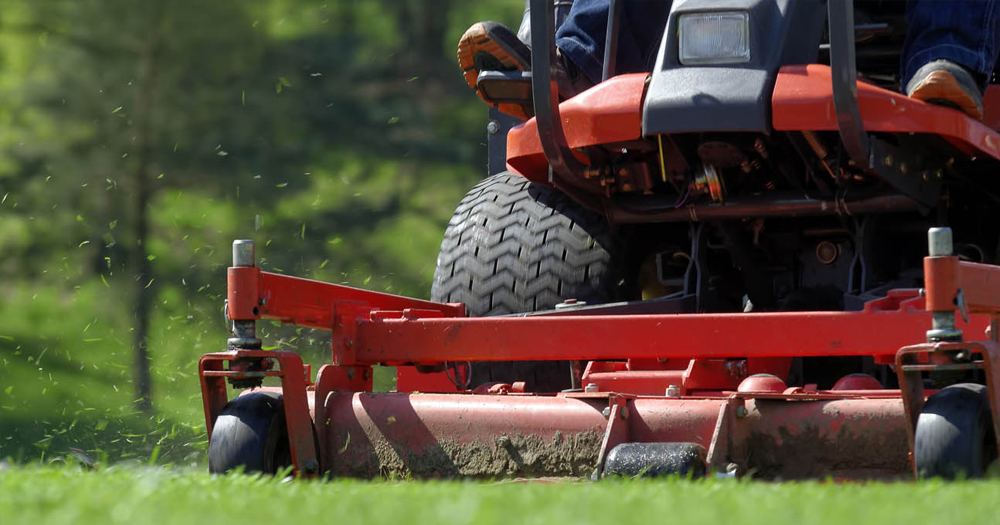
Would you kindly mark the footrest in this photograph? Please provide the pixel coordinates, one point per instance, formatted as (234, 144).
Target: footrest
(505, 87)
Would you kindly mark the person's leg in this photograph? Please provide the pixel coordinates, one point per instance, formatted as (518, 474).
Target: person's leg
(581, 38)
(950, 50)
(487, 46)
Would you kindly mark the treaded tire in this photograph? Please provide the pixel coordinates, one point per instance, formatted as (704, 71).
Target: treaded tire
(250, 433)
(515, 246)
(954, 436)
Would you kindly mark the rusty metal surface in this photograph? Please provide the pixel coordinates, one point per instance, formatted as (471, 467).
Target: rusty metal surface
(846, 438)
(440, 435)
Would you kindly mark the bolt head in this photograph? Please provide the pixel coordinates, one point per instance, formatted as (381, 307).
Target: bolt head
(492, 128)
(606, 412)
(741, 412)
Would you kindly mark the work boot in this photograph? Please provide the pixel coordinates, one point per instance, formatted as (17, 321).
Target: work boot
(491, 46)
(946, 83)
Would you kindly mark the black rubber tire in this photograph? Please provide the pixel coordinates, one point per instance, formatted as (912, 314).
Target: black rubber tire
(250, 433)
(514, 246)
(955, 436)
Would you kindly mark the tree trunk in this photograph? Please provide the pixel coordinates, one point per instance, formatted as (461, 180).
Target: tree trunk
(142, 286)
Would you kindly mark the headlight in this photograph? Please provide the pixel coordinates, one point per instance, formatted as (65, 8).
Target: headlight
(714, 38)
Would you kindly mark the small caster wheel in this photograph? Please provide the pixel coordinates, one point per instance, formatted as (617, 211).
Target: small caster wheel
(250, 433)
(955, 437)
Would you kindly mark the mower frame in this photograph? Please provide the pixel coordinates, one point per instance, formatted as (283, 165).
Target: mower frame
(371, 328)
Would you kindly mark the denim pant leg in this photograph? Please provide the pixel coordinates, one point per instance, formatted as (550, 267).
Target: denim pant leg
(582, 36)
(966, 32)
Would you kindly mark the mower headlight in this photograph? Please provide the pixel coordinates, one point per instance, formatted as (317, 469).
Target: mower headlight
(714, 38)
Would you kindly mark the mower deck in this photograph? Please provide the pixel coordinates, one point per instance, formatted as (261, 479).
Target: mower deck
(711, 380)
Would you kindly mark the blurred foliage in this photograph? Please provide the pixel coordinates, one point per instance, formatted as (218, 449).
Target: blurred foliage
(337, 134)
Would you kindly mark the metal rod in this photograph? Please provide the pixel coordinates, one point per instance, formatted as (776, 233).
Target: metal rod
(244, 331)
(845, 81)
(782, 206)
(611, 40)
(545, 95)
(939, 244)
(243, 252)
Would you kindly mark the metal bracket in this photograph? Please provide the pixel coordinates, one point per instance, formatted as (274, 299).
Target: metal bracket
(616, 432)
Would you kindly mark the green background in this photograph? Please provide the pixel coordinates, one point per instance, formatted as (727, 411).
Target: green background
(339, 135)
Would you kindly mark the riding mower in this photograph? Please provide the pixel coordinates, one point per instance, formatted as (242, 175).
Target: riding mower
(716, 268)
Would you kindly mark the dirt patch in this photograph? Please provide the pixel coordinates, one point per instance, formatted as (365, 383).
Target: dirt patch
(507, 456)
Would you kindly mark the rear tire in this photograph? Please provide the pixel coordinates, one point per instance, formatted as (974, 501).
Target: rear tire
(954, 436)
(515, 246)
(250, 433)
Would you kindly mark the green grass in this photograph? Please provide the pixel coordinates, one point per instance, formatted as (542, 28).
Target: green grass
(36, 494)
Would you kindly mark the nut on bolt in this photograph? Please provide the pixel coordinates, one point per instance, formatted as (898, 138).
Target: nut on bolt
(673, 391)
(591, 388)
(741, 412)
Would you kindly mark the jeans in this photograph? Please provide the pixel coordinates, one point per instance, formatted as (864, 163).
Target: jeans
(966, 32)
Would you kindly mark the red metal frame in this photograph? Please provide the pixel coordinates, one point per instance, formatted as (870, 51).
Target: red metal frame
(803, 100)
(633, 359)
(607, 113)
(294, 381)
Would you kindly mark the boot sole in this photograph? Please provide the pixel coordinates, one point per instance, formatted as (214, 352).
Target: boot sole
(477, 40)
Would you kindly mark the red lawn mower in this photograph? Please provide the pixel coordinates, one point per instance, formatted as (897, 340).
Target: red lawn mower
(771, 265)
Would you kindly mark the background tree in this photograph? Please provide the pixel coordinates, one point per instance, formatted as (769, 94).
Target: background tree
(137, 139)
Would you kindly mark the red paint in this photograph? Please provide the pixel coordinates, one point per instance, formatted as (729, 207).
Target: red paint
(856, 382)
(803, 100)
(606, 113)
(761, 383)
(397, 341)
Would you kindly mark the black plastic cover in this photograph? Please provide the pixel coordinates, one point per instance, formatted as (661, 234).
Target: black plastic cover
(651, 460)
(732, 97)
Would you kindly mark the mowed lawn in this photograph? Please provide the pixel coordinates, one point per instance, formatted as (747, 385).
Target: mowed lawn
(41, 495)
